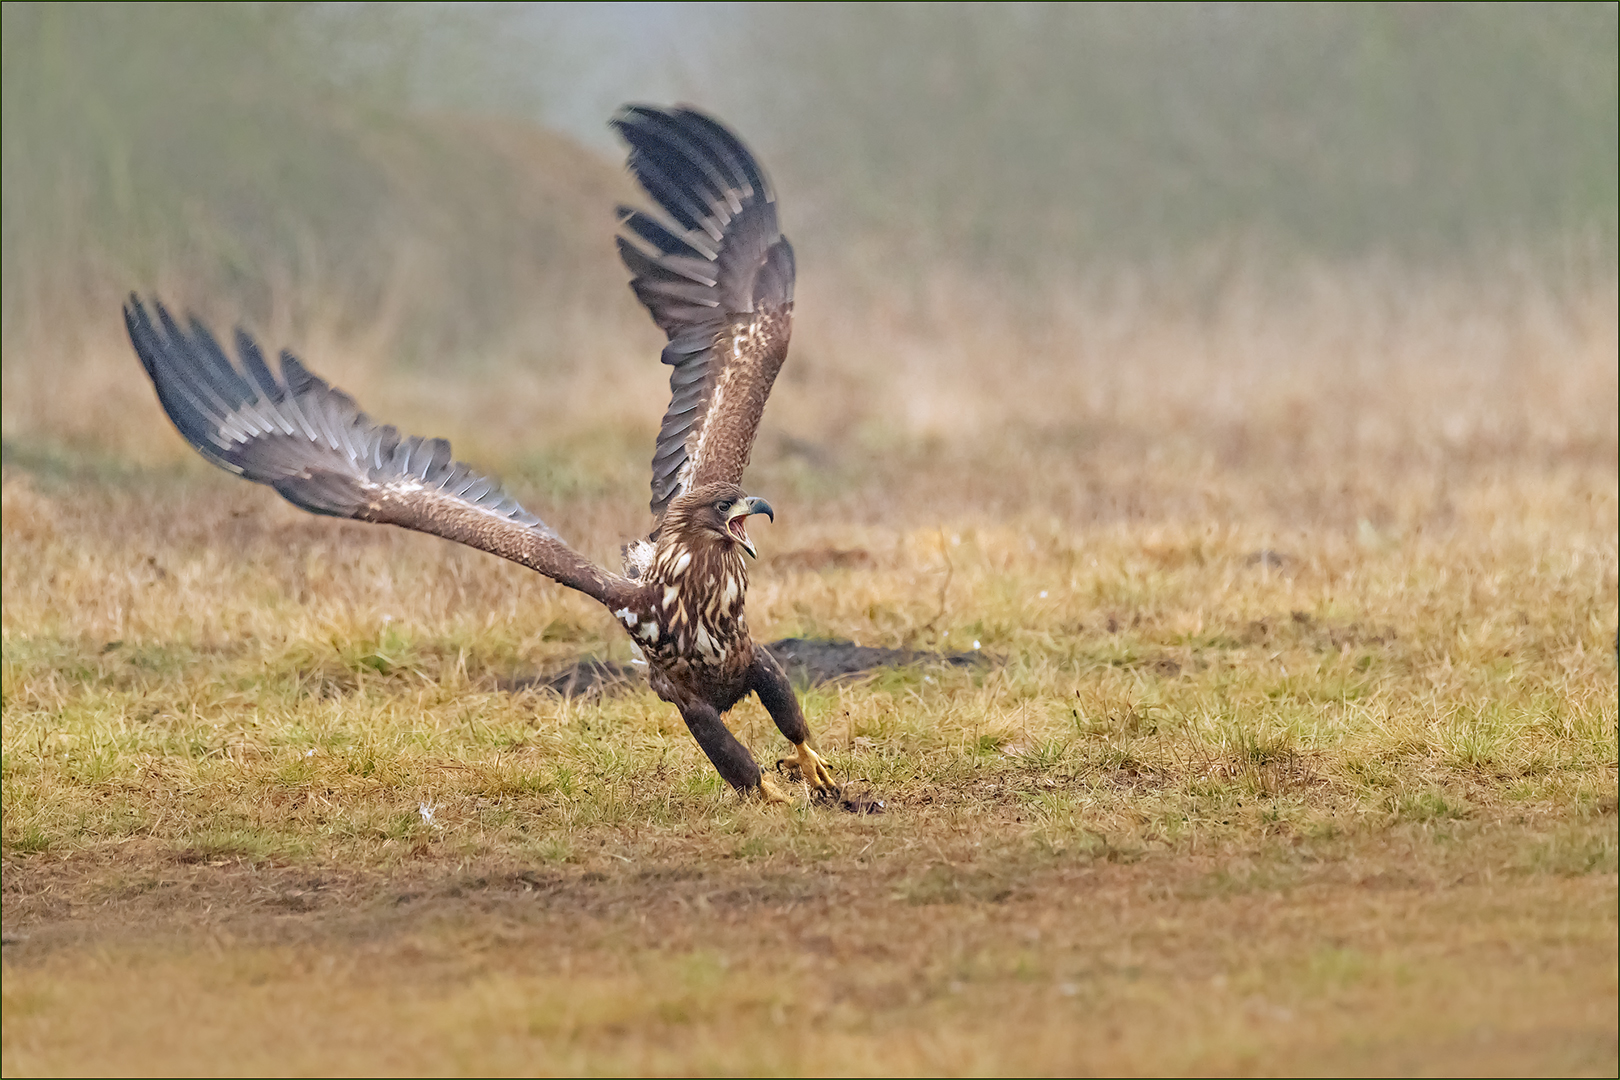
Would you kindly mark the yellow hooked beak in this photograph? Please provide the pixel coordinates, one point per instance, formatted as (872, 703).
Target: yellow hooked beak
(736, 521)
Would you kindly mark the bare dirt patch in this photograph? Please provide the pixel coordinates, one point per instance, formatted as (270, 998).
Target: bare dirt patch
(1397, 952)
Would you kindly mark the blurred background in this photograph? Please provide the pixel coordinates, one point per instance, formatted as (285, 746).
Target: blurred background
(1299, 233)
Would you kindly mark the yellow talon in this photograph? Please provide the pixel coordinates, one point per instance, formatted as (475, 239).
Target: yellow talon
(815, 770)
(769, 793)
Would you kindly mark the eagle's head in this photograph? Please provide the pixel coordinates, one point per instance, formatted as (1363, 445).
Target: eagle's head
(715, 514)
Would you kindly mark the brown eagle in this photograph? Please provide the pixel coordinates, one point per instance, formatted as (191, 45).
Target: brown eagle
(717, 276)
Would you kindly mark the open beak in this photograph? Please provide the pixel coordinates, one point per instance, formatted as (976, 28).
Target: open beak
(736, 521)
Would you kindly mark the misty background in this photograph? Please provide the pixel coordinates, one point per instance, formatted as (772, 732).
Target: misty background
(433, 185)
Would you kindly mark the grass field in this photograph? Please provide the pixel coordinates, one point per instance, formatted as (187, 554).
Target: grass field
(1294, 750)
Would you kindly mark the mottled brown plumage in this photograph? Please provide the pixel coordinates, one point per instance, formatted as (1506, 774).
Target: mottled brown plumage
(716, 274)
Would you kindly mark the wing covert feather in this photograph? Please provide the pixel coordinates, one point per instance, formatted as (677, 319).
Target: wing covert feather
(311, 442)
(716, 274)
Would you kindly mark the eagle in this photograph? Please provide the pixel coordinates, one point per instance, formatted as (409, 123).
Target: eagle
(713, 269)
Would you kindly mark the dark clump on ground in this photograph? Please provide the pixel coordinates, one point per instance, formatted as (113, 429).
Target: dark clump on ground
(809, 662)
(812, 661)
(588, 676)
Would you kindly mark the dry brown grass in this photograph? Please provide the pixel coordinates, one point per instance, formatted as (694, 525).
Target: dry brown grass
(1297, 754)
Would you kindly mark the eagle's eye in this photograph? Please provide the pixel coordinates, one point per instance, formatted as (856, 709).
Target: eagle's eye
(723, 505)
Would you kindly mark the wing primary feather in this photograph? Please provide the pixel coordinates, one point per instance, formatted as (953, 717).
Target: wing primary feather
(150, 348)
(439, 462)
(266, 391)
(337, 415)
(727, 145)
(688, 144)
(258, 372)
(685, 375)
(691, 138)
(187, 378)
(666, 240)
(683, 268)
(691, 292)
(296, 382)
(687, 164)
(228, 386)
(675, 198)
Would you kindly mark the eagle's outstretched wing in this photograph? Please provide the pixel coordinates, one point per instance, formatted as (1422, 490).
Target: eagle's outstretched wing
(311, 442)
(717, 276)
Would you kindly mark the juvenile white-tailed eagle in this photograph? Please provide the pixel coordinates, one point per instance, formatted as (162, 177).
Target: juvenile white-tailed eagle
(717, 275)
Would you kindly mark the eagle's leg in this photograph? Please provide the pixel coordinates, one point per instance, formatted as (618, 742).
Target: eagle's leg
(731, 758)
(767, 679)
